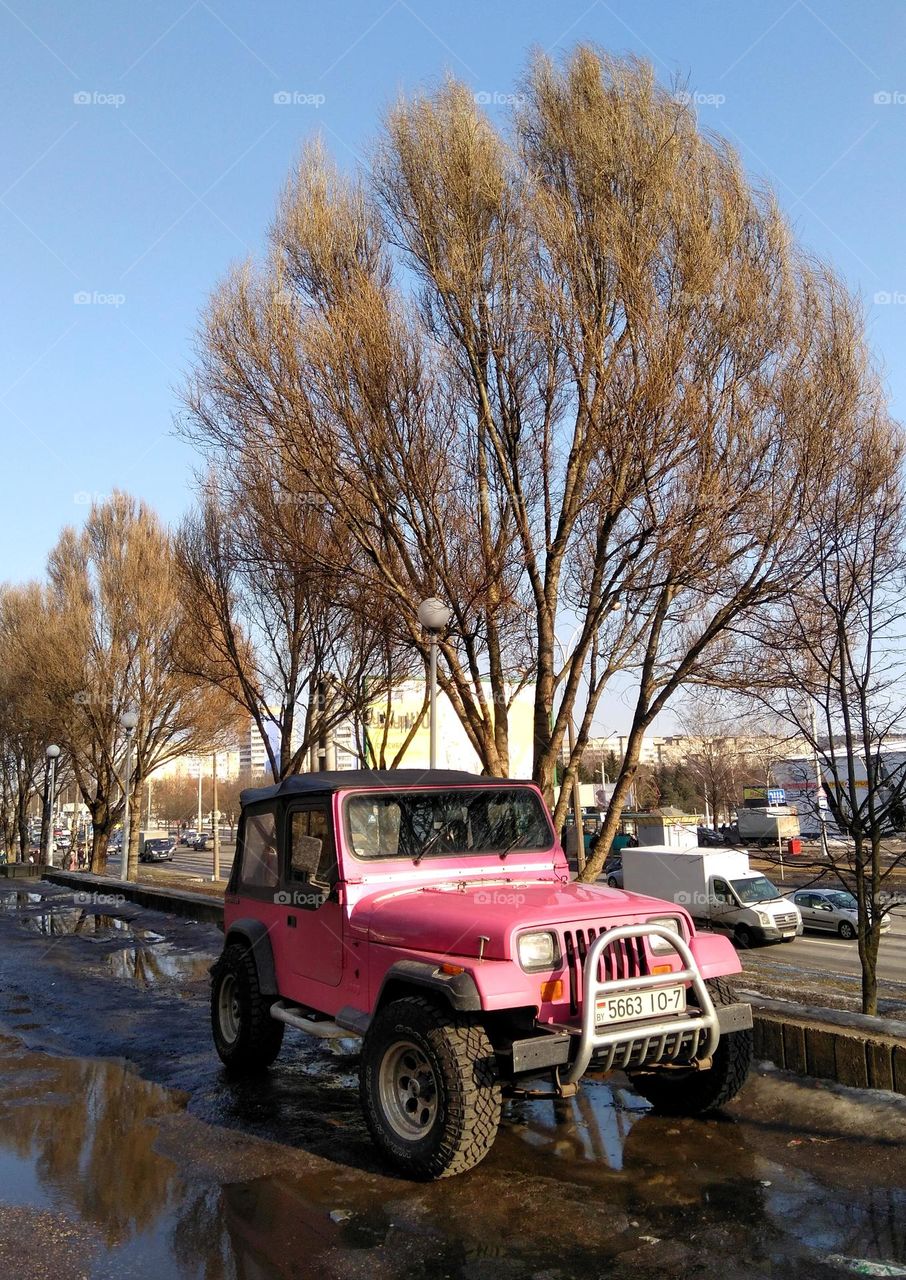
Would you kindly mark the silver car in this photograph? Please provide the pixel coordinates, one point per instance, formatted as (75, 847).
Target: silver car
(833, 910)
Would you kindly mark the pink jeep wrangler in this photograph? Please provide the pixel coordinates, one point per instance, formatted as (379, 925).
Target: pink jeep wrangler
(433, 915)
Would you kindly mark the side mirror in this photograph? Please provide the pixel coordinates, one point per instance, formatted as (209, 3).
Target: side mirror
(307, 857)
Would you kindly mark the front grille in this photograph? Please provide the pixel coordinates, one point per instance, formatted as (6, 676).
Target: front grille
(623, 959)
(788, 921)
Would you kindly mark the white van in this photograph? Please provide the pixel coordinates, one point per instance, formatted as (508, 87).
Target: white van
(718, 888)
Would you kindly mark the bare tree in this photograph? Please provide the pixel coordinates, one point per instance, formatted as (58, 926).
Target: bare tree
(829, 662)
(110, 634)
(543, 377)
(23, 735)
(284, 623)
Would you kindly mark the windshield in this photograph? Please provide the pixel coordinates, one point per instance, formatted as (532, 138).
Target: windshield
(842, 901)
(416, 824)
(156, 844)
(756, 889)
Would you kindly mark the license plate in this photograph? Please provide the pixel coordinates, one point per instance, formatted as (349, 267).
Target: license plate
(640, 1004)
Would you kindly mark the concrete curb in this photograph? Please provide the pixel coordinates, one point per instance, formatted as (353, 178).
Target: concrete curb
(831, 1044)
(181, 902)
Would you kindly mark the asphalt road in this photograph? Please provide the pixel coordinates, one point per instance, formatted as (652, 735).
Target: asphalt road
(126, 1151)
(819, 964)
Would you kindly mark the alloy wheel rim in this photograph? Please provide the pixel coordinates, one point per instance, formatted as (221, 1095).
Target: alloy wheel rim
(408, 1091)
(228, 1008)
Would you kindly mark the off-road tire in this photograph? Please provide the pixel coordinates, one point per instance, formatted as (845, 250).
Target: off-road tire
(257, 1038)
(468, 1093)
(678, 1093)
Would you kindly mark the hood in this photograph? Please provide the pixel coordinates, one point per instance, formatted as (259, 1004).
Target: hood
(451, 918)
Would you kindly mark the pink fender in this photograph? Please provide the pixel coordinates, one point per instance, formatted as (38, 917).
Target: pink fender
(715, 955)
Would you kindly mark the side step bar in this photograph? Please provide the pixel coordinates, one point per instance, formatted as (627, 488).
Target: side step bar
(293, 1016)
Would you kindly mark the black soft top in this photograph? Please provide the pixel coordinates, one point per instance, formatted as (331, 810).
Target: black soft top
(329, 781)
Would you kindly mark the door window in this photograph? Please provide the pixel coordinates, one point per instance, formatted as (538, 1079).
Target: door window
(309, 830)
(259, 851)
(720, 892)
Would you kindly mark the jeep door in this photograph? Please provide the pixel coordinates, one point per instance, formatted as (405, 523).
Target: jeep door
(314, 919)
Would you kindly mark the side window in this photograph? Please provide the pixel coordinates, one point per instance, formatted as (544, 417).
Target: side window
(720, 893)
(310, 829)
(259, 852)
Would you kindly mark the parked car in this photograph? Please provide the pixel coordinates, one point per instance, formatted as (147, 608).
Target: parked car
(431, 913)
(831, 910)
(613, 871)
(157, 849)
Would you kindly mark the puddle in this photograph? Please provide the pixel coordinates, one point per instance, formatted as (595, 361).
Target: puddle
(58, 922)
(155, 965)
(99, 1165)
(78, 1160)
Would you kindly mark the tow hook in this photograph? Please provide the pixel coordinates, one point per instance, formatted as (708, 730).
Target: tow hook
(564, 1090)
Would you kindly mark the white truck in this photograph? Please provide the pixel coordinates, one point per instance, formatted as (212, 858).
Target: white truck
(767, 825)
(718, 888)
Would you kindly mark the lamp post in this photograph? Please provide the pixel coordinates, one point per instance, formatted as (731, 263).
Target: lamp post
(128, 720)
(434, 615)
(50, 776)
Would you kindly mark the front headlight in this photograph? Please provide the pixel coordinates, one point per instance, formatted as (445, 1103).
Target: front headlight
(668, 922)
(538, 951)
(764, 919)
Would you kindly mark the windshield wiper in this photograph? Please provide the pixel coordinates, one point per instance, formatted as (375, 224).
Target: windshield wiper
(502, 853)
(429, 846)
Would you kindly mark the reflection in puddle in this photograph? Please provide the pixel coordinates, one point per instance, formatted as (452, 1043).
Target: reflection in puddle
(151, 966)
(77, 1139)
(58, 922)
(592, 1126)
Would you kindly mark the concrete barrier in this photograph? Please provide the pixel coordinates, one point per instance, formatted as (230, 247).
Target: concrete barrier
(22, 870)
(181, 902)
(831, 1044)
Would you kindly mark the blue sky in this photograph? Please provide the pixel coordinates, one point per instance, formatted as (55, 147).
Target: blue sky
(144, 146)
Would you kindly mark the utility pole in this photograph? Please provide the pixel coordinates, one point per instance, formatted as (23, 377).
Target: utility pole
(577, 797)
(50, 777)
(215, 818)
(129, 719)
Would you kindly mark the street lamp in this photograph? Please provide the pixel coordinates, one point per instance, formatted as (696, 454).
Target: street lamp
(50, 776)
(434, 615)
(128, 720)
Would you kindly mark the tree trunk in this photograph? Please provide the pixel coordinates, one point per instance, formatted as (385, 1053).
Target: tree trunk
(869, 943)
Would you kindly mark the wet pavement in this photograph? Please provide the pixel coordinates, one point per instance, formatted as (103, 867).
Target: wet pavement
(125, 1151)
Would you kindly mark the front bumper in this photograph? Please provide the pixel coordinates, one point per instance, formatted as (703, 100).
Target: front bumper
(678, 1039)
(767, 933)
